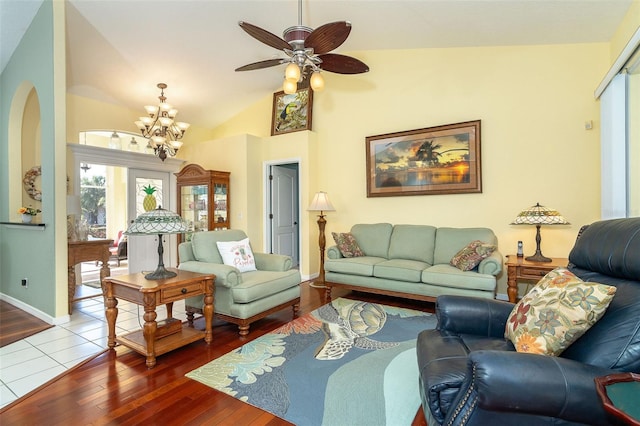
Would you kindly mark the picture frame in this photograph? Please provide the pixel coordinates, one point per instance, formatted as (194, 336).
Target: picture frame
(292, 113)
(435, 160)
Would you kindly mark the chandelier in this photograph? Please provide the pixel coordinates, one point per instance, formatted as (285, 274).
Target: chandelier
(159, 126)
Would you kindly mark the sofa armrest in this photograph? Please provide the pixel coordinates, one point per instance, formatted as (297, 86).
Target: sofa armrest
(538, 385)
(226, 275)
(334, 253)
(272, 262)
(472, 315)
(491, 265)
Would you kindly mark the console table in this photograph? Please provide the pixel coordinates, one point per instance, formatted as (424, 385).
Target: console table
(158, 338)
(85, 251)
(520, 269)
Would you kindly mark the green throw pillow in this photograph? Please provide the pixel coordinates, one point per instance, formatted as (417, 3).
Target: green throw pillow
(470, 256)
(556, 312)
(347, 244)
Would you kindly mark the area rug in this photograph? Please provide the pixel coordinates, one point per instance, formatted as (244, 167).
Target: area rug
(346, 363)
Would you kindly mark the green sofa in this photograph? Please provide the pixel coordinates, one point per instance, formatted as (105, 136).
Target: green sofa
(240, 297)
(412, 261)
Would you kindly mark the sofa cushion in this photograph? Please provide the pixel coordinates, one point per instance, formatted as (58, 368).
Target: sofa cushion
(353, 265)
(257, 285)
(237, 254)
(556, 312)
(204, 245)
(446, 275)
(450, 241)
(413, 242)
(373, 239)
(400, 270)
(471, 255)
(347, 244)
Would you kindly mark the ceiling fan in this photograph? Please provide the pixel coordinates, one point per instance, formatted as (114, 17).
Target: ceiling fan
(307, 52)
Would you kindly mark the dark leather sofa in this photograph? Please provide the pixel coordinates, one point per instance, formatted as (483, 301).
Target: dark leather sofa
(470, 374)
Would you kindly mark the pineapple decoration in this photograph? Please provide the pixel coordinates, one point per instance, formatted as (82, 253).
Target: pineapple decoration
(149, 201)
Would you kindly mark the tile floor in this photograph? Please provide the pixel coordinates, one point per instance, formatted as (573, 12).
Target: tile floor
(31, 362)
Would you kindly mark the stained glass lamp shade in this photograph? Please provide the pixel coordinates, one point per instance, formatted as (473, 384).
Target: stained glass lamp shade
(539, 215)
(160, 222)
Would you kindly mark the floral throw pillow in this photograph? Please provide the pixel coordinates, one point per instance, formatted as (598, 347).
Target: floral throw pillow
(347, 244)
(470, 256)
(237, 254)
(556, 312)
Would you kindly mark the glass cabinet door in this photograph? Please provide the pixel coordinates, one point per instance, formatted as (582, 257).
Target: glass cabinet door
(220, 211)
(203, 199)
(194, 207)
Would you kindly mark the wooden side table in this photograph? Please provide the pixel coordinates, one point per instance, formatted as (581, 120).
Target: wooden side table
(519, 269)
(620, 395)
(158, 338)
(85, 251)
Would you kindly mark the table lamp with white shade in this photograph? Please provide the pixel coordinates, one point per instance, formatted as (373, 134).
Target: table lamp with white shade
(321, 203)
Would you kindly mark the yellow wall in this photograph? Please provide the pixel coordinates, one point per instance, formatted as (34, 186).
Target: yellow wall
(31, 148)
(533, 102)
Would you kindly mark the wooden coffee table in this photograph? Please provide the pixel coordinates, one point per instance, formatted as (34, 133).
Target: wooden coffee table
(158, 338)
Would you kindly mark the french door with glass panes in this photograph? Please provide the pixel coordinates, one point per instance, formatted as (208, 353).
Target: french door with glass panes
(143, 249)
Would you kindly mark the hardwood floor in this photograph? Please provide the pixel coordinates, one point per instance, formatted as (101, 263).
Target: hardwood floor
(16, 324)
(116, 387)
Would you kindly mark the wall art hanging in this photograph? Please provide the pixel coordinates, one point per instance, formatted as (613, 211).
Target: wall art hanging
(436, 160)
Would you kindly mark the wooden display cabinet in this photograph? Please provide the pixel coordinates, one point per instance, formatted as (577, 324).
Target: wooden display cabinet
(203, 199)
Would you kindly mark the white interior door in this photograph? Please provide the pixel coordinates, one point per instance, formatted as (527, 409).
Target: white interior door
(143, 249)
(284, 206)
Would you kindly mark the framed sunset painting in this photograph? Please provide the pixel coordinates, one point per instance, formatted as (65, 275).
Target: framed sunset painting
(435, 160)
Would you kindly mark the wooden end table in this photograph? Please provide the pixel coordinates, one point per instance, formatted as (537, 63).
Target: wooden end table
(620, 395)
(520, 269)
(158, 338)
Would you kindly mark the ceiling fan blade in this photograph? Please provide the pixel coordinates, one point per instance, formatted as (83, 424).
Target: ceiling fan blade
(342, 64)
(327, 37)
(262, 64)
(264, 36)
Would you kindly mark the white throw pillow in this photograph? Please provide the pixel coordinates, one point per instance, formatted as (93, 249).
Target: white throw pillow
(237, 254)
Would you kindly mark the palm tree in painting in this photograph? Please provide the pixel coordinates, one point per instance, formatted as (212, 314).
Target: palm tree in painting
(427, 152)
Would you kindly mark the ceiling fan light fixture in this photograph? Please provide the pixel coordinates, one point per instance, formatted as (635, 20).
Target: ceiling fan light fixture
(308, 49)
(316, 81)
(290, 86)
(296, 34)
(292, 72)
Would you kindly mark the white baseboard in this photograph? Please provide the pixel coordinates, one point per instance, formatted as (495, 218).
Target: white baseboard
(35, 312)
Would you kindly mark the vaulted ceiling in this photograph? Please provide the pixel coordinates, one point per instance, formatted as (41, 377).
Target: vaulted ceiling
(117, 50)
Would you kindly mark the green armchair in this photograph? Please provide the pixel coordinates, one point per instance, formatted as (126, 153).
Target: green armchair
(240, 297)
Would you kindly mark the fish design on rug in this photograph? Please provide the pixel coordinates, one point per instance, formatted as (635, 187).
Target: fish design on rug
(349, 327)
